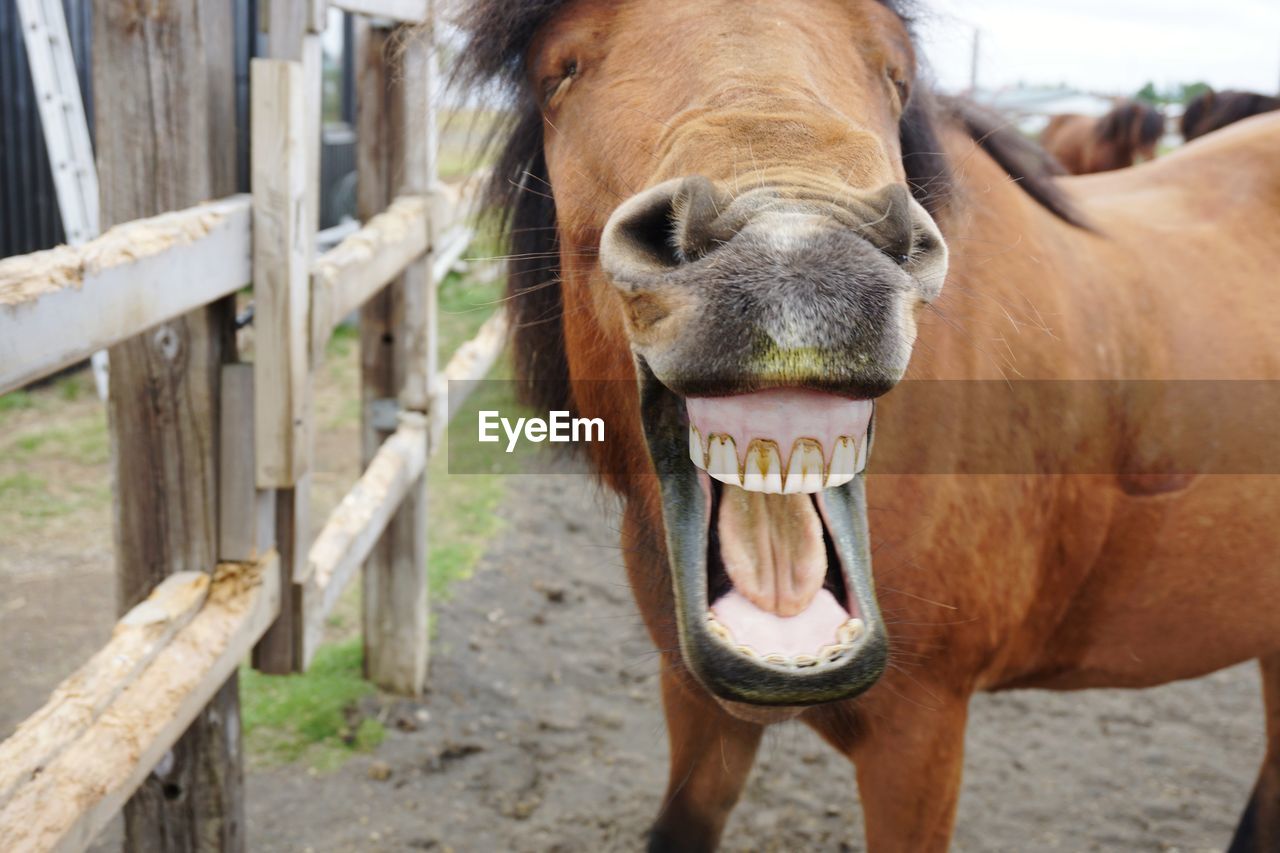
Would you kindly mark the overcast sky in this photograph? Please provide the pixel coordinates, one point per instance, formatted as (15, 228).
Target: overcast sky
(1111, 46)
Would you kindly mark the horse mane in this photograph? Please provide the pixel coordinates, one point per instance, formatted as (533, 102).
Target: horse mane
(1130, 125)
(1027, 163)
(1210, 111)
(500, 32)
(1196, 114)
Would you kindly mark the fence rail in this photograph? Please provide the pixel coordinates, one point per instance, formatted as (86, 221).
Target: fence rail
(96, 749)
(60, 305)
(80, 758)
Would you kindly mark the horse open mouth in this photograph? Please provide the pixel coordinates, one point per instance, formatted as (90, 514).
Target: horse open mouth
(765, 513)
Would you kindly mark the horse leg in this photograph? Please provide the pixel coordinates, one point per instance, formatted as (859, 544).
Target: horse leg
(1259, 827)
(711, 755)
(909, 759)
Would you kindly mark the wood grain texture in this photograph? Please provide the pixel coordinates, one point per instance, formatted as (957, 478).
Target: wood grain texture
(78, 702)
(280, 649)
(395, 328)
(246, 514)
(165, 135)
(349, 274)
(192, 675)
(283, 238)
(59, 306)
(357, 523)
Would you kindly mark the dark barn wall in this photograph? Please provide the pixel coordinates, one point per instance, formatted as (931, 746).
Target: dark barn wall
(29, 218)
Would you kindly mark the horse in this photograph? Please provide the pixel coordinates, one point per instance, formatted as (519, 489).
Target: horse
(1083, 144)
(740, 228)
(1212, 110)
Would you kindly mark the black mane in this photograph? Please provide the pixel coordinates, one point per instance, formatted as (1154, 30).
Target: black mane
(500, 32)
(1210, 111)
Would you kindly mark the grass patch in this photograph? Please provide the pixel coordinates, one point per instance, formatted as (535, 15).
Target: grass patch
(16, 401)
(312, 716)
(27, 500)
(81, 440)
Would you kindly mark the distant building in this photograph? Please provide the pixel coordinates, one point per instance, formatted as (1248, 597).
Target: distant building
(1031, 106)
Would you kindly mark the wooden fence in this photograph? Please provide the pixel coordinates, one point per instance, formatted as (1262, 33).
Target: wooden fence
(215, 557)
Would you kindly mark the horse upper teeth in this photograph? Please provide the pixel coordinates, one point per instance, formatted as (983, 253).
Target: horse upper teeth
(761, 469)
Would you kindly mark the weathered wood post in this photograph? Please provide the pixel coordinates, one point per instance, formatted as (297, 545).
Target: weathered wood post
(395, 154)
(165, 121)
(285, 108)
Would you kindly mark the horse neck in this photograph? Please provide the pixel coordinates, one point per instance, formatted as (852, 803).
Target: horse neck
(1009, 282)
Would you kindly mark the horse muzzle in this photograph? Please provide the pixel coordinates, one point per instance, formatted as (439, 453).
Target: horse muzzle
(764, 325)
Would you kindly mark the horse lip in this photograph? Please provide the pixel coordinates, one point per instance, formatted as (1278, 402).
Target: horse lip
(685, 511)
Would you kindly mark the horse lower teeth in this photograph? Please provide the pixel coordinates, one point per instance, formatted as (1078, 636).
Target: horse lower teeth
(830, 653)
(846, 633)
(849, 631)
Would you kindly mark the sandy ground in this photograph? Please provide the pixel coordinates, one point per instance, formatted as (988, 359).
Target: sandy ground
(542, 731)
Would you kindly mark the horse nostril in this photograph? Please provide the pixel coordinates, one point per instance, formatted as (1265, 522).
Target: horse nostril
(699, 217)
(645, 233)
(661, 228)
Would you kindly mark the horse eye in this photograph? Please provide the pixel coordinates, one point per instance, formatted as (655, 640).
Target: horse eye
(902, 87)
(554, 88)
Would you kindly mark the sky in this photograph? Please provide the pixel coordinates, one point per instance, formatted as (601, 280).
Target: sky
(1106, 46)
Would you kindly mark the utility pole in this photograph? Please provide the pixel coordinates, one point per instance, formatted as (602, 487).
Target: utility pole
(973, 61)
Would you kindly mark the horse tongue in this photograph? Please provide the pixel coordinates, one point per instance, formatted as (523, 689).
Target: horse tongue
(772, 548)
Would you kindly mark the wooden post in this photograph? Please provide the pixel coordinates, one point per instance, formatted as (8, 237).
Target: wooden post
(165, 138)
(285, 96)
(395, 154)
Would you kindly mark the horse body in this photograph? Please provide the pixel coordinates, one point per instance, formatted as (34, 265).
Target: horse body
(1046, 575)
(1083, 144)
(1041, 300)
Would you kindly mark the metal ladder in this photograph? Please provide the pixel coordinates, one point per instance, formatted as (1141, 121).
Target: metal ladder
(66, 131)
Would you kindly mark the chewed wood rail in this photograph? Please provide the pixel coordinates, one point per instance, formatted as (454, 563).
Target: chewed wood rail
(247, 576)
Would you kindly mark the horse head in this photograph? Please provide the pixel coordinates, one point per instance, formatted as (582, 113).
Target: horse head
(727, 211)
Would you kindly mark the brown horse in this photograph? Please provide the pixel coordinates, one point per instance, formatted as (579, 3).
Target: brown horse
(1127, 134)
(1212, 110)
(731, 221)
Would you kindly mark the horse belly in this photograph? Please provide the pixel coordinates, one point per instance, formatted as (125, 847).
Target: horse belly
(1188, 582)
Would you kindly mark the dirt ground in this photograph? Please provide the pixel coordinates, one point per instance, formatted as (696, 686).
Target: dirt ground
(542, 729)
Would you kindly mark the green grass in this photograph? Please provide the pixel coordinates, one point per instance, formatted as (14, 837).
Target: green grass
(27, 500)
(16, 401)
(312, 716)
(53, 452)
(83, 441)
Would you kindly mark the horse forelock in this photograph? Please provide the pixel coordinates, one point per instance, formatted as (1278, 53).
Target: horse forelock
(499, 35)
